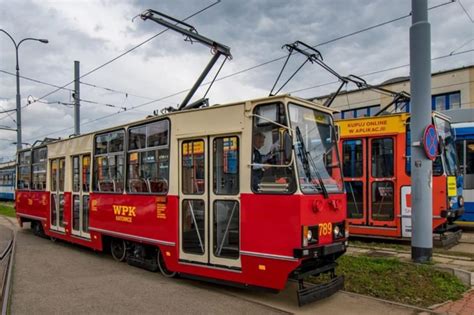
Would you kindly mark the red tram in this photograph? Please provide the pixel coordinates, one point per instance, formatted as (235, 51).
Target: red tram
(165, 194)
(249, 193)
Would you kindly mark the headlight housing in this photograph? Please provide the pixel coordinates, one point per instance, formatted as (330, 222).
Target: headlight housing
(339, 230)
(461, 201)
(310, 235)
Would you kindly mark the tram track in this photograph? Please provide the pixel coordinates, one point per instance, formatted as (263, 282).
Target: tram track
(6, 265)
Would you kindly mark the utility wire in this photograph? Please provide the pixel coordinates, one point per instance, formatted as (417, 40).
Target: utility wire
(383, 70)
(465, 11)
(329, 41)
(469, 41)
(258, 65)
(180, 92)
(124, 53)
(38, 81)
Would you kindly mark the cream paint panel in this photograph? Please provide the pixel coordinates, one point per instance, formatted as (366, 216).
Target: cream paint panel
(67, 149)
(213, 121)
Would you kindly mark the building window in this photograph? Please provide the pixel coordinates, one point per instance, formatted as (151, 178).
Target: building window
(366, 111)
(148, 158)
(451, 100)
(109, 162)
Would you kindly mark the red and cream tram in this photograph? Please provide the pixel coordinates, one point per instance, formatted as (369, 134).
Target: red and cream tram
(249, 193)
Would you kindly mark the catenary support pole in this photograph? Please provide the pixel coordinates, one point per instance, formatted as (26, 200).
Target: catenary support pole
(77, 100)
(421, 166)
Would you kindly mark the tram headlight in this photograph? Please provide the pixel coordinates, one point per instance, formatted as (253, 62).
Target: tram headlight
(339, 230)
(310, 235)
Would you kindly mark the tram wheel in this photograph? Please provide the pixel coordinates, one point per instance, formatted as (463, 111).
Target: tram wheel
(162, 266)
(53, 239)
(118, 249)
(37, 228)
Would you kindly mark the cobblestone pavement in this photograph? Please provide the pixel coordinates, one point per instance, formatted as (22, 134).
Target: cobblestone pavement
(464, 306)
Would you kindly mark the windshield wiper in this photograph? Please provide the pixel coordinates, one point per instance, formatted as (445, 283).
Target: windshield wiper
(306, 159)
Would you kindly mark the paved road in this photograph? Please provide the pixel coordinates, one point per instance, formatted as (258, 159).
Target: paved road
(51, 278)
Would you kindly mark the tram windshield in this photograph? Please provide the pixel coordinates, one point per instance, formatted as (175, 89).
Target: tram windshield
(317, 159)
(443, 127)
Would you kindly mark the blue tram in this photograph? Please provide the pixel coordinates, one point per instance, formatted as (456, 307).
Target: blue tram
(7, 181)
(463, 125)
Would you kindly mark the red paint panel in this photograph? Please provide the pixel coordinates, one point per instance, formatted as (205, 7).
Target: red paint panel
(154, 217)
(270, 223)
(34, 203)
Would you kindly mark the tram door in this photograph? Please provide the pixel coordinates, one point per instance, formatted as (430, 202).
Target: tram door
(209, 217)
(81, 173)
(369, 172)
(58, 173)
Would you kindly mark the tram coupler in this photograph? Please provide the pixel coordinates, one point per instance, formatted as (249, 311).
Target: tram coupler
(448, 236)
(310, 292)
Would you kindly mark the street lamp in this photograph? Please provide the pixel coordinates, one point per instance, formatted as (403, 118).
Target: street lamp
(18, 98)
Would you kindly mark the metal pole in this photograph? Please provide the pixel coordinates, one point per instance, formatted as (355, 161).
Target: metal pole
(18, 103)
(421, 166)
(77, 99)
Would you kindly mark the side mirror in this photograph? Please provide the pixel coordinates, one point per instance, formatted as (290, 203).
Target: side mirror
(287, 145)
(338, 133)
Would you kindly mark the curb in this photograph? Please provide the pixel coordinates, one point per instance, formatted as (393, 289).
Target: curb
(417, 308)
(466, 277)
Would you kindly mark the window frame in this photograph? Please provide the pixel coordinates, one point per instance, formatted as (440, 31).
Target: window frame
(45, 164)
(19, 165)
(292, 164)
(214, 164)
(123, 153)
(147, 149)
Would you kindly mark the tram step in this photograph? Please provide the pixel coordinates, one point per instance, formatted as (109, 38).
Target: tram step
(317, 292)
(147, 264)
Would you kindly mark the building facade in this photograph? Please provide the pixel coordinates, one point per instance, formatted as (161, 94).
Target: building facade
(451, 89)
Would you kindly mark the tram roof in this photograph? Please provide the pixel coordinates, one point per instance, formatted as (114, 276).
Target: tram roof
(251, 103)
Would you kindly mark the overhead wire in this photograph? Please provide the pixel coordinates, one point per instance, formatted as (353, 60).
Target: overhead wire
(125, 52)
(253, 67)
(180, 92)
(465, 11)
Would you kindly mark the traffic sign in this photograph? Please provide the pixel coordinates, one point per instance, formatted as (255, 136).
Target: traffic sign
(430, 142)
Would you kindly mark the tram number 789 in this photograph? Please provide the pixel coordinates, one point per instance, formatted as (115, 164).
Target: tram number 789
(325, 228)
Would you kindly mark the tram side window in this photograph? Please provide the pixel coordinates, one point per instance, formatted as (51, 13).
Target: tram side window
(469, 157)
(148, 158)
(193, 166)
(382, 157)
(109, 162)
(270, 173)
(40, 158)
(226, 166)
(24, 170)
(353, 158)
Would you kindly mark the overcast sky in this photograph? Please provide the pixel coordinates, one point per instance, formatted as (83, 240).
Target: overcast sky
(94, 32)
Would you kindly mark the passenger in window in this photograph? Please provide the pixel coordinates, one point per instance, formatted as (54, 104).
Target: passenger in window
(258, 159)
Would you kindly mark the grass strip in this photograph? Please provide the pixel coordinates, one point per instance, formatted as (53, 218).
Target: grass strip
(394, 280)
(6, 208)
